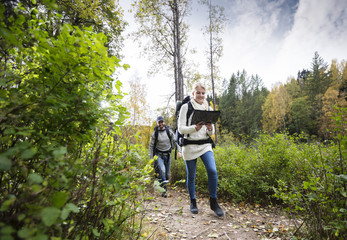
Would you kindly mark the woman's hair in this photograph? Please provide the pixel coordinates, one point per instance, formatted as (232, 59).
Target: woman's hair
(199, 84)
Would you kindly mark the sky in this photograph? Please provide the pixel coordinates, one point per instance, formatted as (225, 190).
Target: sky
(271, 38)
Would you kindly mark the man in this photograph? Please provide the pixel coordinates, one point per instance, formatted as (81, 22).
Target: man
(161, 143)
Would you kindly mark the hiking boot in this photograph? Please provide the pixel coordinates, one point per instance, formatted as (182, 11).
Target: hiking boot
(193, 207)
(164, 194)
(215, 207)
(165, 182)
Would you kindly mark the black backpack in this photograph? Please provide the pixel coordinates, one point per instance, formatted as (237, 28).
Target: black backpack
(156, 132)
(178, 136)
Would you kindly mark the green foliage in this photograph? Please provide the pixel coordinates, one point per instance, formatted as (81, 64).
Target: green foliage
(240, 105)
(319, 80)
(310, 179)
(101, 16)
(65, 172)
(178, 170)
(319, 195)
(300, 118)
(306, 103)
(249, 173)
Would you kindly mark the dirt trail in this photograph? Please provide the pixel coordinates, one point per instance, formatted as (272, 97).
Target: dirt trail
(170, 218)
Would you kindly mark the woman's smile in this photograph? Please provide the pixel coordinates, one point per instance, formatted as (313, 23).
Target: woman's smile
(199, 95)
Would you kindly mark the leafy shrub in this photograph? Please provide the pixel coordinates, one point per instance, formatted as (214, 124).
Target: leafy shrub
(247, 173)
(318, 194)
(309, 178)
(178, 170)
(64, 171)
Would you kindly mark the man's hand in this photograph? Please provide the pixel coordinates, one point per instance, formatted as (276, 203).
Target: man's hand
(179, 155)
(209, 126)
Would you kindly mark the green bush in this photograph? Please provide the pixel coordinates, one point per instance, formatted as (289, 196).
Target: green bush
(178, 171)
(308, 178)
(65, 171)
(318, 194)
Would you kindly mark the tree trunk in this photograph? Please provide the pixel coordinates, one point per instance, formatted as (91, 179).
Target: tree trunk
(211, 66)
(179, 89)
(175, 59)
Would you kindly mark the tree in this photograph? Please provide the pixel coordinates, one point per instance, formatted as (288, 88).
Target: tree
(228, 104)
(301, 121)
(213, 30)
(137, 103)
(276, 109)
(302, 77)
(104, 16)
(329, 101)
(269, 125)
(162, 21)
(241, 103)
(216, 24)
(259, 94)
(332, 100)
(59, 166)
(318, 81)
(293, 88)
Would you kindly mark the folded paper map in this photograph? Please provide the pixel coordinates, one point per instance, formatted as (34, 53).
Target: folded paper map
(205, 116)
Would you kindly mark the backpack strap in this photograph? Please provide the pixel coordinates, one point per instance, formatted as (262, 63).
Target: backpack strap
(198, 142)
(169, 135)
(189, 112)
(156, 133)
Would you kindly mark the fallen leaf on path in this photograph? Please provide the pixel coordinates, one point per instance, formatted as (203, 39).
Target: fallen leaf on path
(213, 235)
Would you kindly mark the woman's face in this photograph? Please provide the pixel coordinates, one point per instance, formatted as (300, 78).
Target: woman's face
(199, 95)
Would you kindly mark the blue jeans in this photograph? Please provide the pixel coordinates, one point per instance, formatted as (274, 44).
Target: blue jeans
(164, 164)
(210, 165)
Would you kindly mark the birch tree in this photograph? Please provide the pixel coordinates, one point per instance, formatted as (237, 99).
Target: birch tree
(137, 103)
(333, 99)
(216, 26)
(213, 30)
(276, 109)
(162, 21)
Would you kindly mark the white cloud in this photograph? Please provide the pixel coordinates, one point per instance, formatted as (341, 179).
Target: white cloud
(318, 26)
(274, 39)
(251, 38)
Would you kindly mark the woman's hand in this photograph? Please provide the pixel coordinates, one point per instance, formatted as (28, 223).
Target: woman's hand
(199, 126)
(179, 154)
(209, 126)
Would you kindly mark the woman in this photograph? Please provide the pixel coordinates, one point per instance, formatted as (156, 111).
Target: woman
(199, 132)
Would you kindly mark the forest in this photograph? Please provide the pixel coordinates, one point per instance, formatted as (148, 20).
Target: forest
(73, 167)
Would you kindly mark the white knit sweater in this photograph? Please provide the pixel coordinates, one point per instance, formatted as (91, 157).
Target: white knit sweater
(193, 151)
